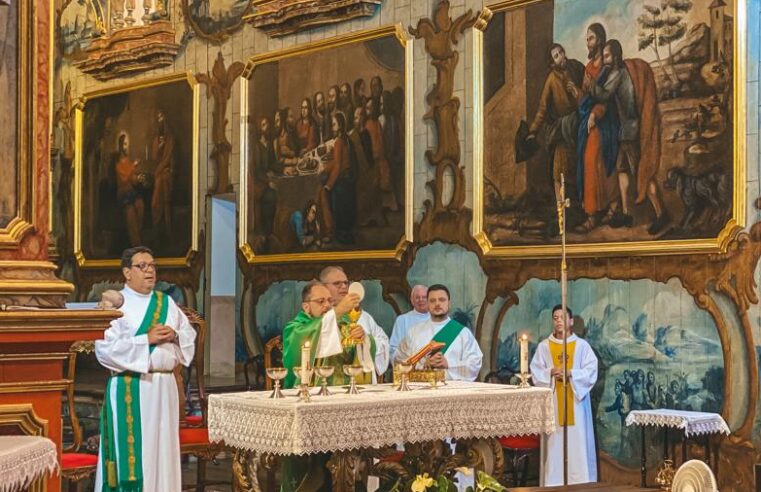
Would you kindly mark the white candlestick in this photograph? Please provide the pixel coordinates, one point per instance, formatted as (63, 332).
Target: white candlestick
(524, 354)
(305, 355)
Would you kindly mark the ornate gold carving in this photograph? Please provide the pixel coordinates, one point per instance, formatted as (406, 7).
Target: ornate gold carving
(130, 51)
(283, 17)
(219, 86)
(23, 416)
(448, 221)
(32, 283)
(344, 468)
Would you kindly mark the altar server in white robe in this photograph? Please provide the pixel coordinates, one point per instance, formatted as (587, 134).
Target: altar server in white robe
(461, 356)
(337, 282)
(140, 443)
(547, 372)
(415, 316)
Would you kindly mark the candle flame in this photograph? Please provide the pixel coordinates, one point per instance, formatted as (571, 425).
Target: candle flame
(524, 336)
(307, 344)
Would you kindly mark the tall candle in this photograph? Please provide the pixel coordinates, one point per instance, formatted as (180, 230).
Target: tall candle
(305, 349)
(524, 354)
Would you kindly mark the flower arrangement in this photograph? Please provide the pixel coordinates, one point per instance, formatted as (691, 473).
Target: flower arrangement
(426, 483)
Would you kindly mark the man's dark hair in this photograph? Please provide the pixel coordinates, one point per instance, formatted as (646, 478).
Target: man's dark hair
(130, 252)
(599, 32)
(438, 287)
(559, 307)
(306, 292)
(616, 51)
(554, 46)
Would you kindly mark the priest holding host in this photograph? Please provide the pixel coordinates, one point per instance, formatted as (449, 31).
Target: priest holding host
(140, 442)
(547, 371)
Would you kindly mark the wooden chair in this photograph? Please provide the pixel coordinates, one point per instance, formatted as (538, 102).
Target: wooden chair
(275, 343)
(76, 466)
(194, 433)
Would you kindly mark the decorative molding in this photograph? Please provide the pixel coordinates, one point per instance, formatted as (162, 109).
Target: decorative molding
(219, 84)
(448, 221)
(24, 417)
(130, 51)
(283, 17)
(32, 283)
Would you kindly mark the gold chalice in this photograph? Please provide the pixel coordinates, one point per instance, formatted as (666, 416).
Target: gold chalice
(305, 375)
(324, 372)
(403, 370)
(276, 374)
(352, 371)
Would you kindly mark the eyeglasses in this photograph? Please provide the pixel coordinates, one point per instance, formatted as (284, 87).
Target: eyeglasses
(144, 267)
(321, 300)
(340, 283)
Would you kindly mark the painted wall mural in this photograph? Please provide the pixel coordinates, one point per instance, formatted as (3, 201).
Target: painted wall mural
(656, 349)
(632, 102)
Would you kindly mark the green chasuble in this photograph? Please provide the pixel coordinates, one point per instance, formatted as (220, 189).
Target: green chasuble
(304, 327)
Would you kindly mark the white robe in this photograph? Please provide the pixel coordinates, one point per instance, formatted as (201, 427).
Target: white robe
(367, 322)
(402, 326)
(582, 458)
(463, 356)
(121, 350)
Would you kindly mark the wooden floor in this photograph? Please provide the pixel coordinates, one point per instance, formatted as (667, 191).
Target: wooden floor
(593, 487)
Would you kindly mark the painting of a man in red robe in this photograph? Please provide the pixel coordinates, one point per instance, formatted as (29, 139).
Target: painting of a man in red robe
(649, 123)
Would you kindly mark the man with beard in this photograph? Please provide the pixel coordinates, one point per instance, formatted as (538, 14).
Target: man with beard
(306, 129)
(332, 107)
(630, 84)
(460, 357)
(597, 145)
(363, 166)
(376, 89)
(346, 104)
(162, 153)
(265, 165)
(556, 113)
(321, 118)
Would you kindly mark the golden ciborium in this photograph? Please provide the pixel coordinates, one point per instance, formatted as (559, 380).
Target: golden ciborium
(346, 339)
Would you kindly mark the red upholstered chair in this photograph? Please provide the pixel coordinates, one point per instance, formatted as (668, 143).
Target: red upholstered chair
(76, 466)
(518, 451)
(194, 434)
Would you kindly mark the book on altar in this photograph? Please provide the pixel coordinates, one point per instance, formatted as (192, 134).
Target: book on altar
(428, 349)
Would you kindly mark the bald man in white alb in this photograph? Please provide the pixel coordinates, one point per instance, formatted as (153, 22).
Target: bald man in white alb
(418, 314)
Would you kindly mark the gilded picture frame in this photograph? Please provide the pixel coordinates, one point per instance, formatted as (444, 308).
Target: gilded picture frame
(680, 146)
(313, 54)
(162, 186)
(17, 80)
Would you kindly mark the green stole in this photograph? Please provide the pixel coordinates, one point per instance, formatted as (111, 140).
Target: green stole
(447, 334)
(304, 327)
(122, 471)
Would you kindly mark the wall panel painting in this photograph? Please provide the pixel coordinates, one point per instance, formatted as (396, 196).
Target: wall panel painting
(137, 171)
(633, 103)
(215, 20)
(16, 159)
(655, 349)
(327, 172)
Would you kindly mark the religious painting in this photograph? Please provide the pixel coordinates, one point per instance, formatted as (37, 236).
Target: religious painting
(655, 349)
(215, 20)
(327, 146)
(624, 108)
(137, 171)
(16, 86)
(78, 23)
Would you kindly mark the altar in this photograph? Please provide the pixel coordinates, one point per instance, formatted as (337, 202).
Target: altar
(358, 429)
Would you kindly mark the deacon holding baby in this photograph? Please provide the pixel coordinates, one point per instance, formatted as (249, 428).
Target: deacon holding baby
(140, 443)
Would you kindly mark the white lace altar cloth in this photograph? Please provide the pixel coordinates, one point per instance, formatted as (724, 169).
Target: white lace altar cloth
(24, 459)
(692, 423)
(378, 416)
